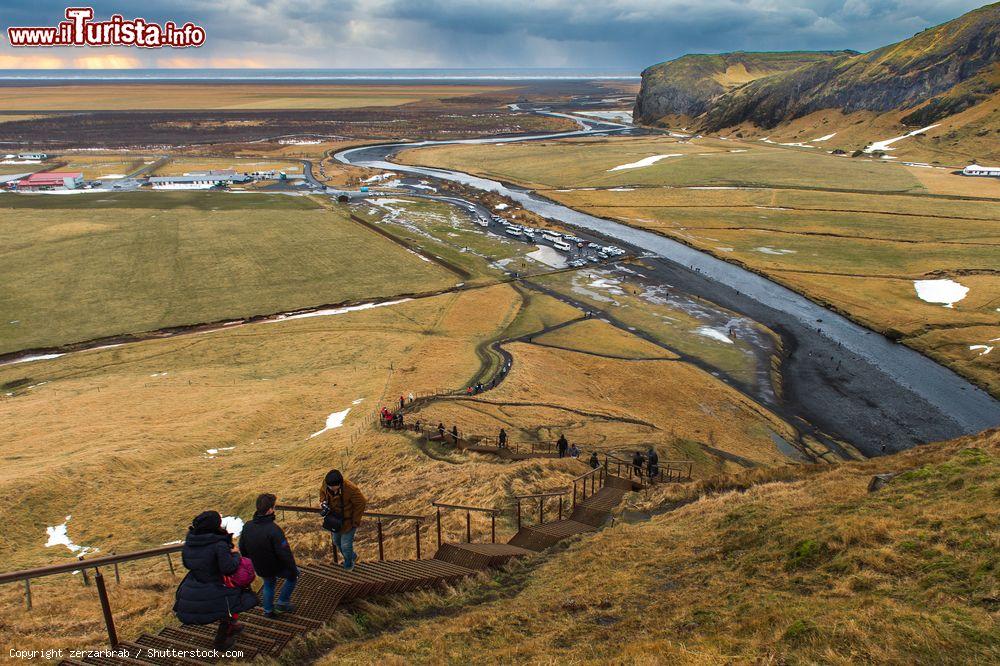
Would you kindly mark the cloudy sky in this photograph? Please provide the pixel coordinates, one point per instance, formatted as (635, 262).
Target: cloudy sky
(480, 33)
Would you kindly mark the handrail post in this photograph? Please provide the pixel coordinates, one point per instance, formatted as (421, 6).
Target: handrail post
(170, 563)
(109, 620)
(381, 546)
(541, 510)
(574, 494)
(493, 527)
(118, 578)
(439, 526)
(27, 593)
(83, 572)
(518, 515)
(560, 507)
(417, 524)
(468, 526)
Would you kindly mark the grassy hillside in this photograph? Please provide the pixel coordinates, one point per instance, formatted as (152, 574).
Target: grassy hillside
(686, 86)
(805, 566)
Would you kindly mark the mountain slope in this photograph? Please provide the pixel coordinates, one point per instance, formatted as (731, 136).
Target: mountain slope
(798, 565)
(688, 85)
(926, 67)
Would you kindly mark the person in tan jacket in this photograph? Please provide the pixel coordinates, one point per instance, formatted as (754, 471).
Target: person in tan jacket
(343, 507)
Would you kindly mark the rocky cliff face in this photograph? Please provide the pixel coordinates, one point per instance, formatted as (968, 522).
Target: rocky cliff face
(950, 68)
(689, 85)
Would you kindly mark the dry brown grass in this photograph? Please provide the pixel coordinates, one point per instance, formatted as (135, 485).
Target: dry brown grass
(598, 337)
(108, 97)
(806, 571)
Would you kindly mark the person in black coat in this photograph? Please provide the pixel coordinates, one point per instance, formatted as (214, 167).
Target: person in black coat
(594, 462)
(562, 445)
(637, 462)
(502, 439)
(202, 597)
(266, 546)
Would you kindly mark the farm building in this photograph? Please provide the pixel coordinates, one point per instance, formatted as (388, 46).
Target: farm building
(50, 180)
(197, 180)
(977, 170)
(32, 156)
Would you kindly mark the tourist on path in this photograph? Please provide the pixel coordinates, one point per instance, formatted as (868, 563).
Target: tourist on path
(652, 463)
(562, 445)
(594, 462)
(441, 431)
(502, 438)
(454, 434)
(637, 462)
(344, 507)
(202, 597)
(573, 452)
(267, 547)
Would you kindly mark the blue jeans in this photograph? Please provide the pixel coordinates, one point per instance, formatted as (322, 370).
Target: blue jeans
(267, 592)
(344, 542)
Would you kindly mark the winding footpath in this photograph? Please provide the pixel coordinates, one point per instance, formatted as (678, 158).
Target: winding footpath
(846, 380)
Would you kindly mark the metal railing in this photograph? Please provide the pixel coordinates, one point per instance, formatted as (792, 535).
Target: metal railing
(378, 516)
(541, 497)
(667, 471)
(468, 519)
(596, 478)
(82, 565)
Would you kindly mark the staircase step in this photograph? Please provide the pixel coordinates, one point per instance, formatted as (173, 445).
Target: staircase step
(161, 643)
(246, 638)
(540, 537)
(479, 555)
(142, 655)
(316, 596)
(205, 643)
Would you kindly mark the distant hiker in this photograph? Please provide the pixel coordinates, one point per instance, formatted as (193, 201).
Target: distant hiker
(652, 463)
(573, 451)
(402, 402)
(410, 398)
(468, 391)
(502, 439)
(637, 464)
(416, 426)
(265, 543)
(203, 597)
(562, 445)
(441, 431)
(454, 434)
(342, 506)
(594, 462)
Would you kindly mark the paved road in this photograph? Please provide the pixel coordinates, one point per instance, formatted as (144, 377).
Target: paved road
(845, 379)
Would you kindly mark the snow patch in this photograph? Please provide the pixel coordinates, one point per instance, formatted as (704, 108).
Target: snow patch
(546, 255)
(337, 311)
(233, 525)
(771, 250)
(885, 143)
(622, 189)
(824, 138)
(986, 349)
(58, 536)
(38, 357)
(644, 162)
(715, 334)
(334, 420)
(944, 292)
(501, 206)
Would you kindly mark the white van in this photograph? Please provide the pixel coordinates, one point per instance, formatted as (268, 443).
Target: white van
(551, 236)
(562, 245)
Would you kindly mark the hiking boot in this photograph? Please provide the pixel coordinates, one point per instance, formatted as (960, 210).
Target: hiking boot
(224, 644)
(235, 628)
(284, 608)
(273, 614)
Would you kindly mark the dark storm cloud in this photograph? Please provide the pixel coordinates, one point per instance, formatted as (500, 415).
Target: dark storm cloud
(470, 33)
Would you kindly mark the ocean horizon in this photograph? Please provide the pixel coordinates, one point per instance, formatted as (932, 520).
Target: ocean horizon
(325, 75)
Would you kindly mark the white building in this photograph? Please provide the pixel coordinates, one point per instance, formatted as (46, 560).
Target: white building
(197, 180)
(32, 156)
(977, 170)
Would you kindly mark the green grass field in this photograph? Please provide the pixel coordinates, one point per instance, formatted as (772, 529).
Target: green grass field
(705, 162)
(84, 267)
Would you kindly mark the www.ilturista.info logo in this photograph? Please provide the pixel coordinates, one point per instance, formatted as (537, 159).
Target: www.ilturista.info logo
(79, 29)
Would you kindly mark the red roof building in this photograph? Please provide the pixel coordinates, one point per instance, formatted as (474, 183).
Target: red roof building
(67, 179)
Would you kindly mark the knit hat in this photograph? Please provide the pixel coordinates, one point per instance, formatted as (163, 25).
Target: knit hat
(207, 522)
(334, 478)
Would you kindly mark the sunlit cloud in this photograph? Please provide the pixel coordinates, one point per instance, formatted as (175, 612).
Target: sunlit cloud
(106, 62)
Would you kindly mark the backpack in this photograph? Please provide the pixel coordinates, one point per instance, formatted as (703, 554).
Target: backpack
(243, 576)
(333, 520)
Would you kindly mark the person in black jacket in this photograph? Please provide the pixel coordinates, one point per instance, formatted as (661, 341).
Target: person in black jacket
(637, 462)
(652, 463)
(266, 546)
(594, 462)
(502, 439)
(202, 598)
(562, 445)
